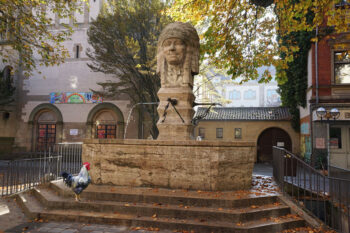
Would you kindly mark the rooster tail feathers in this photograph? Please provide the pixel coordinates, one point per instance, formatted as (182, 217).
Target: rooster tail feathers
(64, 174)
(67, 178)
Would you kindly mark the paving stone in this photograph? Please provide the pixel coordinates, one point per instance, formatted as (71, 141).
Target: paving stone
(56, 230)
(116, 229)
(88, 228)
(44, 229)
(70, 231)
(66, 225)
(52, 224)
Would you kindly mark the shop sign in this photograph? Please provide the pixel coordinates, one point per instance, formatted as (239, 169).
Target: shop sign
(73, 132)
(333, 143)
(320, 143)
(280, 144)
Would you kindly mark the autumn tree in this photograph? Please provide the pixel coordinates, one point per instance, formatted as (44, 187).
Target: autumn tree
(26, 30)
(241, 36)
(124, 40)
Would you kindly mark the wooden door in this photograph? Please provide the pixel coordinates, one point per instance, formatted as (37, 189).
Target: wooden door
(46, 136)
(269, 138)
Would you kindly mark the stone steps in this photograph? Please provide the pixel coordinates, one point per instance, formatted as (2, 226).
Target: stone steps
(50, 200)
(161, 208)
(168, 196)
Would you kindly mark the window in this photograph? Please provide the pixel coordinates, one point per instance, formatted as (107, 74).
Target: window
(223, 93)
(335, 138)
(272, 98)
(77, 51)
(106, 131)
(249, 95)
(234, 95)
(201, 132)
(46, 136)
(238, 133)
(342, 67)
(219, 132)
(77, 48)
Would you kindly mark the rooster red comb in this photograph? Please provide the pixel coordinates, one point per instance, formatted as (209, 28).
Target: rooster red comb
(87, 165)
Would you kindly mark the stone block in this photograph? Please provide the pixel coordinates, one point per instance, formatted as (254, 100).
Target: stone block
(195, 165)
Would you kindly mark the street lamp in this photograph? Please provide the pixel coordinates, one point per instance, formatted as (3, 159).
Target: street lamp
(334, 114)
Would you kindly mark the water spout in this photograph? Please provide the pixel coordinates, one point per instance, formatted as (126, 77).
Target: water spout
(127, 122)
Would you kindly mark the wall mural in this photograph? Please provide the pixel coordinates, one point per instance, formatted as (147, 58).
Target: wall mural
(74, 98)
(305, 141)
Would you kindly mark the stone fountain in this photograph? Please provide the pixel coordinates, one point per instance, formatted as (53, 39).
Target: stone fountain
(174, 160)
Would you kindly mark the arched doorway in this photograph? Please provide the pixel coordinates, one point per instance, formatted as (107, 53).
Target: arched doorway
(46, 122)
(269, 138)
(105, 121)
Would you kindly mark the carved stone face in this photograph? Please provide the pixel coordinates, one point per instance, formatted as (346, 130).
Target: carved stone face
(174, 50)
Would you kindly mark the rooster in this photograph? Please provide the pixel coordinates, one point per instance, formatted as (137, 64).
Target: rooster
(80, 182)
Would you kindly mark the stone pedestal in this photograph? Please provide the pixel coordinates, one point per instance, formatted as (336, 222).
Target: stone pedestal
(203, 165)
(172, 127)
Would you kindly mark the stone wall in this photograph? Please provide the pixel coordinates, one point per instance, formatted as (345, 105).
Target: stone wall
(198, 165)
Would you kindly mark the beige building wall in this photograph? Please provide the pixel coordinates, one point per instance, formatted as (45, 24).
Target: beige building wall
(7, 129)
(251, 130)
(33, 94)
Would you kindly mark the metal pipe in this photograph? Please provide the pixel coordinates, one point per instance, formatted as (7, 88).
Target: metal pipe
(316, 65)
(328, 150)
(127, 122)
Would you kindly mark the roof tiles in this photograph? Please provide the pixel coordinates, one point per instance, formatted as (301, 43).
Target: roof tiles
(245, 113)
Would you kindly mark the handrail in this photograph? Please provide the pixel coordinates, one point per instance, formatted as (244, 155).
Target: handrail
(310, 167)
(347, 170)
(22, 174)
(327, 198)
(299, 160)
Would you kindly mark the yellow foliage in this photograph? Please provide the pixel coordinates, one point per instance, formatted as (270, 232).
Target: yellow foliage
(241, 36)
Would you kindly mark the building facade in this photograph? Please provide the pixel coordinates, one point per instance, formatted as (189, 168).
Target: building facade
(230, 93)
(264, 126)
(328, 87)
(58, 104)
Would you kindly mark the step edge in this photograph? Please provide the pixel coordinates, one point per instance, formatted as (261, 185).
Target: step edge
(168, 206)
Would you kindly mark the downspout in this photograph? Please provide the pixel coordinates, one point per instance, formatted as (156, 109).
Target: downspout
(316, 103)
(316, 65)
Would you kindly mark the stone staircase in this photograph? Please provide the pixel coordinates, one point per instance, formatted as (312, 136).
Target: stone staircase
(177, 210)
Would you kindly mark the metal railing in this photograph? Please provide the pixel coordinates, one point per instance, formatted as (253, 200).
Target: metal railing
(22, 174)
(338, 172)
(327, 198)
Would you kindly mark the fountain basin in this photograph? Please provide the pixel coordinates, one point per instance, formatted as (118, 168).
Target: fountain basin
(196, 165)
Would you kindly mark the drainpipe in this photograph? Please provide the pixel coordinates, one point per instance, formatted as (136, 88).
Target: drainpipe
(312, 159)
(316, 65)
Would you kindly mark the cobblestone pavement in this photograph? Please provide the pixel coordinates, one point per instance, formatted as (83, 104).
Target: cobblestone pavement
(58, 227)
